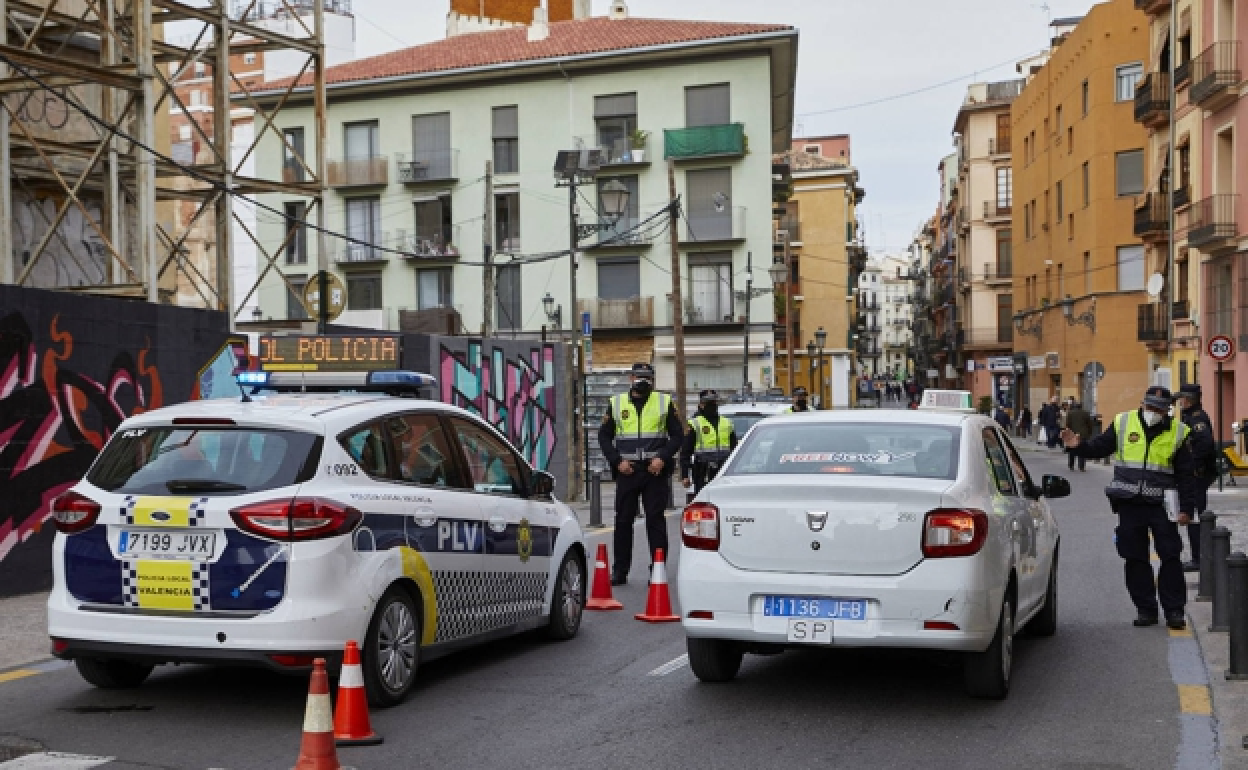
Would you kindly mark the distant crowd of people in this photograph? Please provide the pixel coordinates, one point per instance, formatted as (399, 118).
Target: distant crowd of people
(883, 388)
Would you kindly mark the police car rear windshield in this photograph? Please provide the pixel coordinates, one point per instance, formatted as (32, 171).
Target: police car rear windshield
(203, 461)
(856, 449)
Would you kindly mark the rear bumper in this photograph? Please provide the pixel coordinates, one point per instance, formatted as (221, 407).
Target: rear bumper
(949, 591)
(69, 649)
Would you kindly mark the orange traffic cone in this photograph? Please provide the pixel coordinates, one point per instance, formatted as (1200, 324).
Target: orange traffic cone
(601, 597)
(658, 601)
(317, 751)
(351, 725)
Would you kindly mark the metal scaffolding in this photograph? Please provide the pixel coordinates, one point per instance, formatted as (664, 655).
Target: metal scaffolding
(92, 210)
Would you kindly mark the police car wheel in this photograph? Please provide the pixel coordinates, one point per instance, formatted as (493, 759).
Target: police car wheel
(714, 660)
(112, 674)
(391, 651)
(568, 602)
(987, 674)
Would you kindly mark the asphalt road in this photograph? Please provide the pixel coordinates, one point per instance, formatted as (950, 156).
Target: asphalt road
(1098, 695)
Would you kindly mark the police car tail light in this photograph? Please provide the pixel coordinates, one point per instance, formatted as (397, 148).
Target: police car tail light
(303, 518)
(699, 527)
(954, 532)
(72, 512)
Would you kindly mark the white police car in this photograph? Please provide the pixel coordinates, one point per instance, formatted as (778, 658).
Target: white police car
(270, 531)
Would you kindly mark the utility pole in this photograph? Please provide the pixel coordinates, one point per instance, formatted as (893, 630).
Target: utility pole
(575, 462)
(678, 305)
(487, 239)
(749, 298)
(1171, 293)
(789, 326)
(322, 165)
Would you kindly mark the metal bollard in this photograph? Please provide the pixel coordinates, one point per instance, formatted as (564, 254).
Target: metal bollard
(595, 499)
(1237, 568)
(1221, 580)
(1204, 591)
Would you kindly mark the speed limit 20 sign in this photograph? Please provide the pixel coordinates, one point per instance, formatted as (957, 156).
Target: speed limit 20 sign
(1221, 348)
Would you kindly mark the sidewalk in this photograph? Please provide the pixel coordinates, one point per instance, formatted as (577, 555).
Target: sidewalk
(23, 630)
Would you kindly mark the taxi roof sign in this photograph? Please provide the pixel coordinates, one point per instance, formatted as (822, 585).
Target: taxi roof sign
(947, 400)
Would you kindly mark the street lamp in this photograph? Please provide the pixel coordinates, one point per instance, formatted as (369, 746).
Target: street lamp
(821, 339)
(553, 314)
(613, 198)
(779, 274)
(810, 358)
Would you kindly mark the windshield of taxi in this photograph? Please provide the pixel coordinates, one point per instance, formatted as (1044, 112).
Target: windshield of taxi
(849, 448)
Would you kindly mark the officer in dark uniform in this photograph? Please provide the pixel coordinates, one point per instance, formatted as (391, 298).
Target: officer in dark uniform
(800, 404)
(1204, 457)
(711, 438)
(1151, 460)
(640, 436)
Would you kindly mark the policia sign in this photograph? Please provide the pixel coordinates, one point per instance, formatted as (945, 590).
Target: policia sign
(326, 353)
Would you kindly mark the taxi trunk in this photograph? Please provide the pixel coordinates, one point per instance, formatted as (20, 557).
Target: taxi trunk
(825, 526)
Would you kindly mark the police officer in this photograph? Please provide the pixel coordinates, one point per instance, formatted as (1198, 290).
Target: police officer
(640, 435)
(711, 438)
(1151, 458)
(1204, 457)
(800, 404)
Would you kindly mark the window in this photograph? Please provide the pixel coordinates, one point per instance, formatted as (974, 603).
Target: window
(508, 301)
(615, 118)
(293, 159)
(431, 147)
(364, 227)
(1087, 184)
(507, 221)
(1070, 140)
(1058, 121)
(368, 447)
(492, 467)
(1027, 226)
(433, 287)
(1129, 168)
(1005, 317)
(1003, 133)
(1181, 286)
(184, 133)
(999, 463)
(197, 98)
(1183, 379)
(422, 452)
(296, 232)
(432, 236)
(1058, 196)
(1005, 188)
(813, 149)
(710, 283)
(1044, 223)
(1130, 268)
(1185, 166)
(708, 105)
(362, 140)
(1026, 150)
(201, 69)
(1005, 253)
(1087, 272)
(791, 447)
(364, 291)
(1125, 79)
(506, 140)
(1085, 98)
(619, 279)
(295, 309)
(710, 204)
(1061, 280)
(249, 58)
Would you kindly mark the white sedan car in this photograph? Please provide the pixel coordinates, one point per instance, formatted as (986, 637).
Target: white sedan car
(903, 529)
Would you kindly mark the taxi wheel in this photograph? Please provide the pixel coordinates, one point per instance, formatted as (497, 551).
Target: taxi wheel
(391, 651)
(987, 674)
(714, 660)
(567, 605)
(112, 674)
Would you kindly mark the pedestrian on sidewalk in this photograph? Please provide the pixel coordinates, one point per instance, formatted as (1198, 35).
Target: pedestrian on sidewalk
(1051, 421)
(1024, 423)
(1002, 417)
(1204, 457)
(1080, 422)
(1152, 462)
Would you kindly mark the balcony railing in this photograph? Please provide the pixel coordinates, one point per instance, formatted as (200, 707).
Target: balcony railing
(439, 166)
(621, 152)
(999, 145)
(1215, 74)
(1002, 271)
(293, 172)
(358, 252)
(1182, 196)
(705, 141)
(632, 313)
(359, 172)
(1183, 74)
(1212, 221)
(1152, 215)
(1001, 335)
(702, 226)
(440, 242)
(1151, 325)
(997, 211)
(1152, 99)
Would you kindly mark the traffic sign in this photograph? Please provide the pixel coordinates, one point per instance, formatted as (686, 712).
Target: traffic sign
(586, 327)
(1221, 348)
(337, 296)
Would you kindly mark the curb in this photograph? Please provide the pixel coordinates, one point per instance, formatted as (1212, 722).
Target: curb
(1230, 702)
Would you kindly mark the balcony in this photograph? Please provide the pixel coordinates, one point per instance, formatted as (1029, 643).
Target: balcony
(1153, 7)
(617, 153)
(1152, 100)
(987, 338)
(632, 313)
(1002, 272)
(1152, 324)
(1183, 74)
(714, 227)
(999, 145)
(1182, 197)
(726, 141)
(440, 242)
(997, 214)
(1212, 223)
(359, 172)
(293, 172)
(361, 254)
(1152, 217)
(1215, 76)
(421, 167)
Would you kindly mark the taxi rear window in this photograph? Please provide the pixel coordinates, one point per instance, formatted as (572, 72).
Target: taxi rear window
(205, 461)
(857, 449)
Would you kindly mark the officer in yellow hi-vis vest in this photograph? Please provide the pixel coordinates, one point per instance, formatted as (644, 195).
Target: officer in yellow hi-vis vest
(640, 436)
(800, 401)
(709, 441)
(1149, 472)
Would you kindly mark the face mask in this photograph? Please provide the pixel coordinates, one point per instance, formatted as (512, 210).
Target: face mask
(643, 387)
(1151, 418)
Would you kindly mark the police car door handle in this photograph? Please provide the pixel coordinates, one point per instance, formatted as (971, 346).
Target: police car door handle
(498, 524)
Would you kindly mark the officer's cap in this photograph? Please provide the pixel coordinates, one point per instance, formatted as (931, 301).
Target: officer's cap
(1158, 398)
(1191, 390)
(709, 395)
(643, 371)
(799, 392)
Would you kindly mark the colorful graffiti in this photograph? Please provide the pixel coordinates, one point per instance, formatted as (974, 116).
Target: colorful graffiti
(516, 395)
(54, 419)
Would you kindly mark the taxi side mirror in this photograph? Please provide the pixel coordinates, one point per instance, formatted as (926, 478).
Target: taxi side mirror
(1055, 487)
(543, 484)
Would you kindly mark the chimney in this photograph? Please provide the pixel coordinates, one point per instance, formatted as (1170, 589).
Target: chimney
(619, 10)
(539, 30)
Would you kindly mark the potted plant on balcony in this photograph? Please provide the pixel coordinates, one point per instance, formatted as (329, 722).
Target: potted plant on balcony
(637, 145)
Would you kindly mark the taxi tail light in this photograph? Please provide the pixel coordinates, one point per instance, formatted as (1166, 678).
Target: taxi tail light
(303, 518)
(949, 532)
(72, 513)
(699, 527)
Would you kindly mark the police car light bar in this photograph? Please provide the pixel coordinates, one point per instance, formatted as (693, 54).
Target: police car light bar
(947, 400)
(392, 382)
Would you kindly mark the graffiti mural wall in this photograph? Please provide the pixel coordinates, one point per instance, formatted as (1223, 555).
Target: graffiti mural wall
(72, 367)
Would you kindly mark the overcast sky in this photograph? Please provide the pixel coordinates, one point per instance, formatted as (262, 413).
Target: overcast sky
(851, 52)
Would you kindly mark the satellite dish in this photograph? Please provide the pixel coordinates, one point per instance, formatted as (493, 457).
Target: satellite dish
(1155, 284)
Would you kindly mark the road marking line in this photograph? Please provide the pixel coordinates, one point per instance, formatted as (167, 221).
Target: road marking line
(1194, 699)
(670, 666)
(1186, 632)
(55, 760)
(21, 673)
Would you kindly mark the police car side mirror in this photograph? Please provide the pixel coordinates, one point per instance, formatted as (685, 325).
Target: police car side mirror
(543, 484)
(1055, 487)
